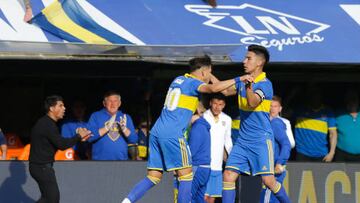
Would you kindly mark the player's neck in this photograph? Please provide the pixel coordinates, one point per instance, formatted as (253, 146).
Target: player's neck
(197, 74)
(256, 72)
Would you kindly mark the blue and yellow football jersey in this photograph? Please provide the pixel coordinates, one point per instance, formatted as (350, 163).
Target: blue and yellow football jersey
(311, 130)
(180, 104)
(255, 123)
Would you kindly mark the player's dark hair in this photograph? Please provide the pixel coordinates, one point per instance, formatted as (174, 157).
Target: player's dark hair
(51, 101)
(277, 98)
(218, 96)
(198, 62)
(260, 51)
(111, 93)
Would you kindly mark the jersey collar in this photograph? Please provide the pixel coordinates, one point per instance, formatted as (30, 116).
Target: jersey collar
(260, 77)
(188, 75)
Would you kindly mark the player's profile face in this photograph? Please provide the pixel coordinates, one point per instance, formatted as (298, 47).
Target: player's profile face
(112, 103)
(251, 62)
(217, 106)
(206, 70)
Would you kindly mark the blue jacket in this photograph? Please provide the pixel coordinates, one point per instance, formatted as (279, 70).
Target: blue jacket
(113, 145)
(282, 143)
(199, 142)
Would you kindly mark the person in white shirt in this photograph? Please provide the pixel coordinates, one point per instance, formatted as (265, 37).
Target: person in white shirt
(220, 133)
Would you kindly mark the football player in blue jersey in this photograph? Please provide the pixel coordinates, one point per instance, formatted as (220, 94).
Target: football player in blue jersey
(252, 153)
(169, 150)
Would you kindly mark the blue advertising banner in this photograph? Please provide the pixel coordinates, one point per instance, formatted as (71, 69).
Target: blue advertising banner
(293, 30)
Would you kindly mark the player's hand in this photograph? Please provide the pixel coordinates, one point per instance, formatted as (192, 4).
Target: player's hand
(28, 15)
(110, 123)
(329, 157)
(84, 133)
(247, 79)
(123, 123)
(279, 168)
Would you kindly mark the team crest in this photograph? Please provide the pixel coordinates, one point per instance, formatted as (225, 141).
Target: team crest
(223, 123)
(114, 132)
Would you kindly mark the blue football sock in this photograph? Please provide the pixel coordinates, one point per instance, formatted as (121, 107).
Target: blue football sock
(280, 194)
(185, 183)
(228, 193)
(142, 187)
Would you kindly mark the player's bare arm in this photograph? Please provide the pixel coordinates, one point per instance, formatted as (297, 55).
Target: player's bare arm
(253, 98)
(231, 90)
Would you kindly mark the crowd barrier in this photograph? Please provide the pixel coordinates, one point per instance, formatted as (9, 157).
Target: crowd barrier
(110, 181)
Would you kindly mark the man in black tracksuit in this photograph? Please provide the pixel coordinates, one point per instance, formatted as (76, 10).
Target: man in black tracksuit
(45, 141)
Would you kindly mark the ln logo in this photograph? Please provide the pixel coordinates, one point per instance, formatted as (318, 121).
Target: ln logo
(257, 25)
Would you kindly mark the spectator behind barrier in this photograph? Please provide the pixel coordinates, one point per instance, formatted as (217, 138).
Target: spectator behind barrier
(112, 130)
(68, 130)
(313, 125)
(142, 132)
(348, 126)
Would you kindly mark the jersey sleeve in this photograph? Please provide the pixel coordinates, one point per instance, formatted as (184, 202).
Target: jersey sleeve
(280, 136)
(264, 90)
(92, 125)
(133, 137)
(195, 86)
(331, 121)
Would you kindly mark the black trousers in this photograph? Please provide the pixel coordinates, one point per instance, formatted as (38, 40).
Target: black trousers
(302, 157)
(44, 175)
(342, 156)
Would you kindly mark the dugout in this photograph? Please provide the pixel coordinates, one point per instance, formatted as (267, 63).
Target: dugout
(143, 81)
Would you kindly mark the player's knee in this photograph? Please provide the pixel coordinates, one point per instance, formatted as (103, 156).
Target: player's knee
(229, 176)
(154, 179)
(269, 181)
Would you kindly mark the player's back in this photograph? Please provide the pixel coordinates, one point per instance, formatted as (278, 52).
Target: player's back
(180, 103)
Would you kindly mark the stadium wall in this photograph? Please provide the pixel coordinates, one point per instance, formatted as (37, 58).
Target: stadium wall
(90, 181)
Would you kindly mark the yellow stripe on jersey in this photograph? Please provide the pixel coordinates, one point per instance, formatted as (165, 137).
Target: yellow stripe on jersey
(235, 124)
(56, 15)
(188, 102)
(264, 106)
(312, 124)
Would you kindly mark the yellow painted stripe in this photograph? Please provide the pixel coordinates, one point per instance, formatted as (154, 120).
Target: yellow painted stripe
(235, 124)
(188, 102)
(312, 124)
(57, 16)
(263, 107)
